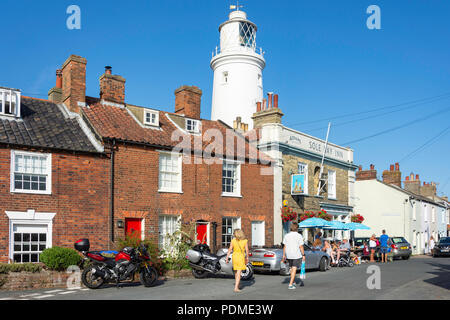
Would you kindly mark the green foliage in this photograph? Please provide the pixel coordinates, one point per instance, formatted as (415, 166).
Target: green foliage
(177, 244)
(19, 267)
(134, 241)
(58, 258)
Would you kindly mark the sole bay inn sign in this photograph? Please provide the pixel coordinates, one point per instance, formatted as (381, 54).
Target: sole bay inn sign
(315, 146)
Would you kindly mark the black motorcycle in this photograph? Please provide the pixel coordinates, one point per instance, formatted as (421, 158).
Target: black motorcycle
(122, 266)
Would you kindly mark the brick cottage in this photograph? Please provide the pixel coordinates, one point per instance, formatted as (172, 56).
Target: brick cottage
(107, 168)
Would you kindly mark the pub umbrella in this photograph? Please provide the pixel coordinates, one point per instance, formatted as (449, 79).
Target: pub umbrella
(357, 226)
(313, 223)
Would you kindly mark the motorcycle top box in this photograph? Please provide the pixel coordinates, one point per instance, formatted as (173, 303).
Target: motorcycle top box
(193, 256)
(82, 245)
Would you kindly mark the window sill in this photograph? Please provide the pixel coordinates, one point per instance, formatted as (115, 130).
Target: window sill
(232, 195)
(170, 191)
(334, 199)
(32, 192)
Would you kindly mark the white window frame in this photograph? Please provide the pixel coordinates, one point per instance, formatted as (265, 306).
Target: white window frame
(30, 217)
(237, 179)
(173, 227)
(304, 171)
(151, 112)
(48, 173)
(235, 224)
(414, 212)
(433, 214)
(179, 188)
(332, 184)
(194, 124)
(11, 96)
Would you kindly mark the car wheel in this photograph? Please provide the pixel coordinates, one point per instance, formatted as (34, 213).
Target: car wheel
(323, 265)
(405, 258)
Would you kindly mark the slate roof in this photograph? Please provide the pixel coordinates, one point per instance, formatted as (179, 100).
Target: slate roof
(117, 122)
(43, 124)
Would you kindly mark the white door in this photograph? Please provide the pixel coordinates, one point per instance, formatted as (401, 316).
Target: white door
(258, 233)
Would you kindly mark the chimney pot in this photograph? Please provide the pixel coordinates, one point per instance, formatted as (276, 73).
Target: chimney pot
(108, 69)
(360, 168)
(391, 167)
(264, 104)
(269, 98)
(407, 178)
(372, 167)
(417, 177)
(59, 78)
(275, 100)
(258, 106)
(397, 166)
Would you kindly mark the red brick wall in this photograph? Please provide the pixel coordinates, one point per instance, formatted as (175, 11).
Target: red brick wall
(136, 191)
(80, 199)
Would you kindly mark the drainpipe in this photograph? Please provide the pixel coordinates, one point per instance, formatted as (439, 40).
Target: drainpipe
(111, 203)
(214, 225)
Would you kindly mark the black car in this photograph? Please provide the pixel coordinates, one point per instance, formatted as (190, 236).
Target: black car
(442, 248)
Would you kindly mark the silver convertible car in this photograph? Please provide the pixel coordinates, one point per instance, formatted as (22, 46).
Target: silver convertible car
(269, 259)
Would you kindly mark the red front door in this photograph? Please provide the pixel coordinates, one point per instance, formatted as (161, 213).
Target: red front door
(133, 227)
(202, 230)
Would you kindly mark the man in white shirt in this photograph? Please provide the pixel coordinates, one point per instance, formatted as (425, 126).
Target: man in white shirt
(293, 251)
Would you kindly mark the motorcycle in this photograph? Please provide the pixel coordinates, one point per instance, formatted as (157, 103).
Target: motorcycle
(203, 262)
(128, 262)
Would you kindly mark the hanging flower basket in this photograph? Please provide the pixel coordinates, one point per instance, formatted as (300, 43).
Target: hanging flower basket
(320, 214)
(287, 214)
(357, 218)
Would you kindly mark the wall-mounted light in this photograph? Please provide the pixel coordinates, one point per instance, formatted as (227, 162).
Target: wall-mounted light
(119, 223)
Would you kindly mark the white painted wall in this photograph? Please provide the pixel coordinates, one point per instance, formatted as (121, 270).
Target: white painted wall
(382, 207)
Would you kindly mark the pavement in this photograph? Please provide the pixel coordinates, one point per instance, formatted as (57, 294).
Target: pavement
(419, 278)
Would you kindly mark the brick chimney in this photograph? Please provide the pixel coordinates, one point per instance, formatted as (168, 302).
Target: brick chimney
(412, 183)
(74, 82)
(366, 174)
(393, 175)
(55, 93)
(112, 87)
(267, 112)
(428, 189)
(187, 101)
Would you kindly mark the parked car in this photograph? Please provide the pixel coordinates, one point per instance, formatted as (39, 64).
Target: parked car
(400, 248)
(269, 259)
(442, 247)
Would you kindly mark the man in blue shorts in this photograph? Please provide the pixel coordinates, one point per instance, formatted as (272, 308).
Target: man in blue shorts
(384, 246)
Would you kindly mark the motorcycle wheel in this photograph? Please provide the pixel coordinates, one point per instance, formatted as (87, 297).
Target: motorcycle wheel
(199, 274)
(148, 277)
(89, 280)
(247, 274)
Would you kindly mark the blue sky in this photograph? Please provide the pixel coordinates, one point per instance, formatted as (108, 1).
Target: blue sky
(321, 58)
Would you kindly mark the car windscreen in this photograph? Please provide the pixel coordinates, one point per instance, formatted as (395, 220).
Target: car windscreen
(444, 241)
(399, 240)
(360, 242)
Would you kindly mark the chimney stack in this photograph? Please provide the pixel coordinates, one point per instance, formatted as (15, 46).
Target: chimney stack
(55, 93)
(366, 174)
(74, 82)
(112, 87)
(187, 101)
(393, 176)
(412, 184)
(268, 112)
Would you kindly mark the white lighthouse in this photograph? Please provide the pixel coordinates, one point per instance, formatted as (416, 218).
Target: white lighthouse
(237, 66)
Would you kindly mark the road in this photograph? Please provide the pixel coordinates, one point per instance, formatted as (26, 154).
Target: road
(417, 278)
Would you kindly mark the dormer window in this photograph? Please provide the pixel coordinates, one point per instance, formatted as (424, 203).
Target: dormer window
(151, 117)
(192, 126)
(9, 102)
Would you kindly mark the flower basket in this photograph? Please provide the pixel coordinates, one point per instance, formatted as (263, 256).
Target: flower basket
(287, 214)
(357, 218)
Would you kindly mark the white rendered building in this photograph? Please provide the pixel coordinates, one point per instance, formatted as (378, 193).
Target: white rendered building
(237, 67)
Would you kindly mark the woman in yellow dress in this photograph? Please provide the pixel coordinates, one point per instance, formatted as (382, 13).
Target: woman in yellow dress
(239, 247)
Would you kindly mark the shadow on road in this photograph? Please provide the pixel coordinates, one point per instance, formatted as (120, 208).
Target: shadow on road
(158, 283)
(442, 278)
